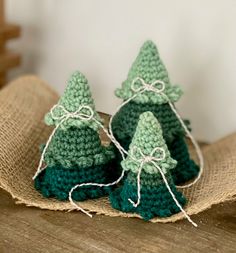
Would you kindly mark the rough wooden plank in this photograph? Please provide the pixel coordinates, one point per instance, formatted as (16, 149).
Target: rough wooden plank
(3, 79)
(2, 44)
(1, 12)
(9, 60)
(9, 31)
(2, 47)
(25, 229)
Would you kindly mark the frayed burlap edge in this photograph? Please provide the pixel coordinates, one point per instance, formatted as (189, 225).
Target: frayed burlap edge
(22, 107)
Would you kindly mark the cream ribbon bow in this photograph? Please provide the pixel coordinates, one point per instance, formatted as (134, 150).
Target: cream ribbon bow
(151, 159)
(78, 114)
(84, 113)
(139, 86)
(143, 159)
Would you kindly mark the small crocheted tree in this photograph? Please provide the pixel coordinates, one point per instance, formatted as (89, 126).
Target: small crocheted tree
(149, 67)
(75, 154)
(155, 199)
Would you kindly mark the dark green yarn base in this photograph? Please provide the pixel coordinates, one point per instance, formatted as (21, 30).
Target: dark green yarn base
(117, 166)
(186, 168)
(155, 201)
(125, 121)
(124, 126)
(56, 182)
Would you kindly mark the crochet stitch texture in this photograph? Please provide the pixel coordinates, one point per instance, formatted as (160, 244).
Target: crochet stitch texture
(155, 197)
(76, 94)
(149, 67)
(75, 154)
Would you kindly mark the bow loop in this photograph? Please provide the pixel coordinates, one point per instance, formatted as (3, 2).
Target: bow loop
(139, 85)
(58, 112)
(157, 154)
(84, 113)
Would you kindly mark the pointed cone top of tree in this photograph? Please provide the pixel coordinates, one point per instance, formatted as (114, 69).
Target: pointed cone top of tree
(76, 98)
(149, 67)
(148, 141)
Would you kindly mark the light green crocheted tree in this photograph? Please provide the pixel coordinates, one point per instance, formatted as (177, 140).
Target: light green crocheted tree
(76, 94)
(155, 198)
(75, 154)
(147, 138)
(150, 68)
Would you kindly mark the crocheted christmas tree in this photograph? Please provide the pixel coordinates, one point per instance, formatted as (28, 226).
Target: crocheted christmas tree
(75, 154)
(149, 67)
(155, 199)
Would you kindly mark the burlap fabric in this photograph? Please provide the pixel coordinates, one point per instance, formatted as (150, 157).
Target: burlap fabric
(23, 104)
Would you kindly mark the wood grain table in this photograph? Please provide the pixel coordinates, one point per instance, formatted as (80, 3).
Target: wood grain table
(27, 229)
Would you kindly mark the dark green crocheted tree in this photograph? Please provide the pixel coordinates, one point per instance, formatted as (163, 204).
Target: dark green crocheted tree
(150, 68)
(155, 199)
(75, 154)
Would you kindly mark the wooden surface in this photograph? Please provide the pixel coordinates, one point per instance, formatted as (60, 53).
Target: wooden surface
(2, 12)
(8, 59)
(9, 31)
(2, 18)
(25, 229)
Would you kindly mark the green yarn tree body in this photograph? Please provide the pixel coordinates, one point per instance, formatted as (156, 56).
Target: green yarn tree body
(155, 200)
(75, 154)
(150, 68)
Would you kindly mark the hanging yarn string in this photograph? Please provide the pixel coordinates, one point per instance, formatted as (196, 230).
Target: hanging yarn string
(151, 159)
(89, 115)
(158, 87)
(142, 160)
(83, 113)
(78, 114)
(91, 184)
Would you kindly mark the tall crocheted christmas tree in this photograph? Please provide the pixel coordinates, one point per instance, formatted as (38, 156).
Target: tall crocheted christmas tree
(155, 199)
(75, 154)
(149, 67)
